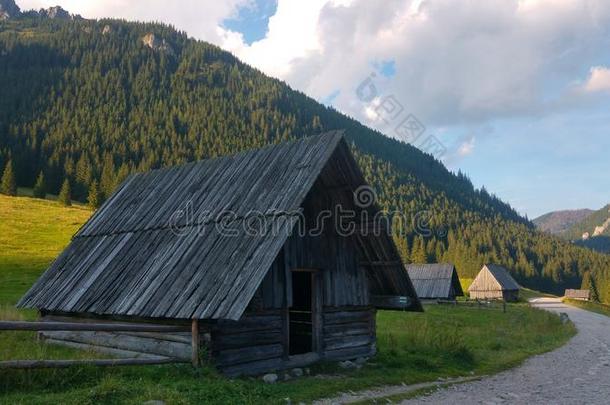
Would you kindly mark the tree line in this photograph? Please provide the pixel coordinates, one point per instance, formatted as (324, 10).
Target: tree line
(83, 107)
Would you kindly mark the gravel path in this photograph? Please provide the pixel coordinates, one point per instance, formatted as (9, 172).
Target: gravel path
(577, 373)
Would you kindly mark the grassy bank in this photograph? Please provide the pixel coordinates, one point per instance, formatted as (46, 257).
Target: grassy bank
(32, 233)
(444, 341)
(590, 306)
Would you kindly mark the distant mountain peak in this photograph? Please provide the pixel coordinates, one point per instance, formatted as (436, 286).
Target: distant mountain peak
(8, 9)
(558, 222)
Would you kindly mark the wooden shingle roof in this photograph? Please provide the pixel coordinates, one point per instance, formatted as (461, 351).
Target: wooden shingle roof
(432, 281)
(159, 248)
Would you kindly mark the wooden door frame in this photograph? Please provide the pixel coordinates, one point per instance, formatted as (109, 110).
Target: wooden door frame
(317, 300)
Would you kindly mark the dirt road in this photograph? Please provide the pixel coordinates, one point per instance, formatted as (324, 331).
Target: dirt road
(577, 373)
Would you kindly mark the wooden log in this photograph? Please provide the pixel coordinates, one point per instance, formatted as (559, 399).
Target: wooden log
(351, 352)
(31, 364)
(195, 343)
(235, 341)
(345, 342)
(98, 327)
(358, 328)
(332, 318)
(249, 324)
(252, 368)
(249, 354)
(120, 353)
(125, 342)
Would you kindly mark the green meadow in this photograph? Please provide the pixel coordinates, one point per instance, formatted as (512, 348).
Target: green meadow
(445, 341)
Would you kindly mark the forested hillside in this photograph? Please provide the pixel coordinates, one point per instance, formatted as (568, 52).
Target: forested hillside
(90, 102)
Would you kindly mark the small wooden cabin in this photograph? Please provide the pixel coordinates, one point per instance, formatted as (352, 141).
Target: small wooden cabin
(494, 282)
(581, 295)
(235, 247)
(437, 281)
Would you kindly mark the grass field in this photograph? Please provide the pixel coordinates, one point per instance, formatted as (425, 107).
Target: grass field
(445, 341)
(32, 233)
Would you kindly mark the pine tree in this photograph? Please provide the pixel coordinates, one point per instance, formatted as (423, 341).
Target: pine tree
(94, 198)
(418, 254)
(40, 188)
(9, 185)
(65, 196)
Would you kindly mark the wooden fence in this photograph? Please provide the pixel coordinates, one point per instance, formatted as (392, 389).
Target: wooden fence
(481, 304)
(99, 327)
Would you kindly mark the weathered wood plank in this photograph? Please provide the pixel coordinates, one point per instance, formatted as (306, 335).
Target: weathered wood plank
(123, 342)
(338, 317)
(100, 327)
(248, 354)
(101, 349)
(351, 353)
(237, 340)
(345, 342)
(32, 364)
(357, 328)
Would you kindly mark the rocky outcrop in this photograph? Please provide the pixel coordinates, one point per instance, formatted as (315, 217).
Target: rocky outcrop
(8, 9)
(57, 13)
(157, 44)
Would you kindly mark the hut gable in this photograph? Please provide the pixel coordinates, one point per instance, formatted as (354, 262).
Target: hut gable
(159, 246)
(435, 281)
(494, 281)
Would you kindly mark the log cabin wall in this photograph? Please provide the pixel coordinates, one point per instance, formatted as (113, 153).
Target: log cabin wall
(346, 324)
(146, 345)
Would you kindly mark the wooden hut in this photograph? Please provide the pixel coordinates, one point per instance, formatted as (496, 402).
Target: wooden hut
(233, 246)
(435, 281)
(494, 282)
(581, 295)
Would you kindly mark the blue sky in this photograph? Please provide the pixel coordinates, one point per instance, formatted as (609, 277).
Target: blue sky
(517, 90)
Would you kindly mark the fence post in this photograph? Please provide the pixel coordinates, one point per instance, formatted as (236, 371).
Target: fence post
(195, 342)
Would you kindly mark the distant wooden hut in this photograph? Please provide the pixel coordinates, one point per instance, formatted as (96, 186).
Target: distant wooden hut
(435, 281)
(494, 282)
(581, 295)
(231, 246)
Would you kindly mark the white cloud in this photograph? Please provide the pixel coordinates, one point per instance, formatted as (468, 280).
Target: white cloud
(292, 34)
(467, 147)
(599, 80)
(455, 64)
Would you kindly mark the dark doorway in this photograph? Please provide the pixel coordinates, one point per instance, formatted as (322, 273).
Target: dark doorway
(301, 313)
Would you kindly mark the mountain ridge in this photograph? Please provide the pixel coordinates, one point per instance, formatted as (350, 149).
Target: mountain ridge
(558, 222)
(92, 101)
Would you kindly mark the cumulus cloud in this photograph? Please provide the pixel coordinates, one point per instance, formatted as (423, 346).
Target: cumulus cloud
(454, 64)
(598, 80)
